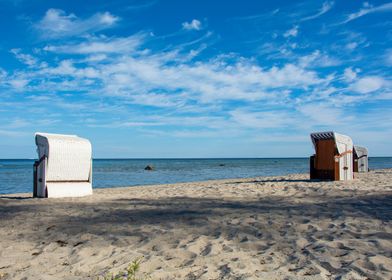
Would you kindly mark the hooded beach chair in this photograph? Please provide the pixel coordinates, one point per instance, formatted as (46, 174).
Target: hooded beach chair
(360, 157)
(64, 168)
(333, 159)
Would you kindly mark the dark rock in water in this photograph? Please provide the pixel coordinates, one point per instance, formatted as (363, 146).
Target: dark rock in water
(149, 167)
(221, 164)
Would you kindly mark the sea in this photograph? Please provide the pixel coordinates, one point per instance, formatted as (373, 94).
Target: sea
(16, 175)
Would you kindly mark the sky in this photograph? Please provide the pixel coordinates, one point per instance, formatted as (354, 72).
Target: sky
(169, 79)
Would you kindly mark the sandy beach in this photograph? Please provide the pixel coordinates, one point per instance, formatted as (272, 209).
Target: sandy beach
(284, 227)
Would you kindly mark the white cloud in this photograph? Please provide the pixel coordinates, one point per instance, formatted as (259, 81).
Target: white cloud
(100, 46)
(24, 58)
(167, 78)
(368, 84)
(352, 45)
(193, 25)
(56, 24)
(138, 75)
(18, 83)
(12, 133)
(388, 57)
(349, 74)
(3, 74)
(324, 8)
(18, 123)
(93, 123)
(322, 114)
(261, 119)
(368, 9)
(240, 81)
(122, 72)
(293, 32)
(96, 57)
(318, 59)
(141, 82)
(107, 19)
(205, 122)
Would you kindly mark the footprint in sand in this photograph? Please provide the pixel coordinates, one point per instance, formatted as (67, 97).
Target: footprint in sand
(62, 243)
(227, 248)
(207, 250)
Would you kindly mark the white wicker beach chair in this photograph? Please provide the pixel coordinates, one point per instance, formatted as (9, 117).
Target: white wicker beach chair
(64, 168)
(360, 159)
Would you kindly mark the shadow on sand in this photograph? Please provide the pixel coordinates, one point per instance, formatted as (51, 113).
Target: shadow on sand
(273, 220)
(276, 181)
(15, 197)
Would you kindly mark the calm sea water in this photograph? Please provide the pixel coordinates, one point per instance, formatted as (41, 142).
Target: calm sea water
(17, 175)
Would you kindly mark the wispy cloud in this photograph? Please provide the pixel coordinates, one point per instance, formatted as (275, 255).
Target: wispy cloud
(132, 72)
(12, 133)
(137, 7)
(293, 32)
(323, 114)
(388, 57)
(57, 24)
(183, 85)
(262, 119)
(24, 58)
(368, 9)
(18, 84)
(257, 16)
(318, 59)
(99, 45)
(324, 9)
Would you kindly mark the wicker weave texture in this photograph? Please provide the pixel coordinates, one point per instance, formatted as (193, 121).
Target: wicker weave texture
(68, 156)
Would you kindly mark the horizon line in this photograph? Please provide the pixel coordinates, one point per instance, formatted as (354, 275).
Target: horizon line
(168, 158)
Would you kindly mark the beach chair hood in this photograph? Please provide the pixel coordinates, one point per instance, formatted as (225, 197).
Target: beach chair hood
(343, 142)
(360, 151)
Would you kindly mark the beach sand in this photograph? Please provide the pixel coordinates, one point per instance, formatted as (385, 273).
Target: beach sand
(284, 227)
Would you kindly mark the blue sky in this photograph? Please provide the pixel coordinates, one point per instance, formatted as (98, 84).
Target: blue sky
(195, 78)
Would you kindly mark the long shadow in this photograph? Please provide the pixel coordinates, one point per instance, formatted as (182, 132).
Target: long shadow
(145, 211)
(16, 197)
(272, 219)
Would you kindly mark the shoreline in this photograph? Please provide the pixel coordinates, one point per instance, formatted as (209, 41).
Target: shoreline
(99, 190)
(227, 180)
(270, 227)
(18, 177)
